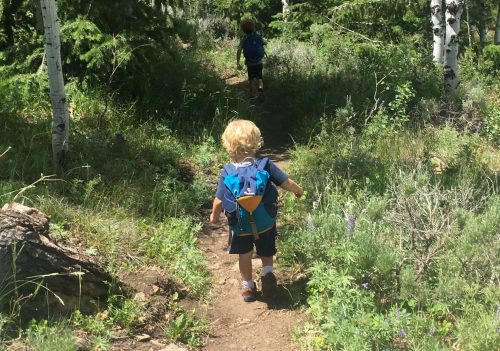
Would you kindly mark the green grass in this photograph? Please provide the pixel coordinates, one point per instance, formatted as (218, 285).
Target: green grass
(41, 336)
(400, 253)
(130, 203)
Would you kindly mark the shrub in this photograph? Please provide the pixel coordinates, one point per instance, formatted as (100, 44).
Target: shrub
(396, 250)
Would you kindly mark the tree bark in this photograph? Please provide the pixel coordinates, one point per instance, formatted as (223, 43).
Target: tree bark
(482, 23)
(29, 258)
(454, 10)
(286, 10)
(60, 112)
(437, 31)
(497, 27)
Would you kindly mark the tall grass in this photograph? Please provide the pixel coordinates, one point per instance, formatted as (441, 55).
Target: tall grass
(136, 183)
(400, 251)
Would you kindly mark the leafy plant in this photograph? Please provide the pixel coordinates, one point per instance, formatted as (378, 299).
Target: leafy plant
(41, 336)
(173, 245)
(185, 327)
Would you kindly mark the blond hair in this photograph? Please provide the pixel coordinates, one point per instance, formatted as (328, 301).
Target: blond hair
(241, 139)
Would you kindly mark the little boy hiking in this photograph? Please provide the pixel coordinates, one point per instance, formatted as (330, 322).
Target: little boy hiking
(247, 194)
(252, 45)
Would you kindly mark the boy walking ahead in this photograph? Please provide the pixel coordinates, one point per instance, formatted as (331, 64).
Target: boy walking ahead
(242, 139)
(252, 45)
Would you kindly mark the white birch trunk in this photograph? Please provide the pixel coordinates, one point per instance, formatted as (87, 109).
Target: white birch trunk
(437, 30)
(286, 10)
(497, 27)
(454, 10)
(60, 112)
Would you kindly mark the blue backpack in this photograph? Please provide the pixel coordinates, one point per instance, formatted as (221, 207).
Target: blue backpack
(249, 200)
(253, 48)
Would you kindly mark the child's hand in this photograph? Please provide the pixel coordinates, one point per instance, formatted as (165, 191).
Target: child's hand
(216, 211)
(213, 218)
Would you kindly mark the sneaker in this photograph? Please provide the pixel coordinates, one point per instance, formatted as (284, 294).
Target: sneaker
(249, 294)
(269, 284)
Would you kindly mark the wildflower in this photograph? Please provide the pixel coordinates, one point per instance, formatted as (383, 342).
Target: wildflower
(398, 313)
(365, 285)
(402, 333)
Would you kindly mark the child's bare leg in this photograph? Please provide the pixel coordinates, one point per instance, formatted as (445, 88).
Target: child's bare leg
(256, 83)
(267, 261)
(267, 277)
(245, 263)
(253, 87)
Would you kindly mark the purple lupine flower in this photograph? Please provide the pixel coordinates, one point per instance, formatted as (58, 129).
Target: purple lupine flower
(402, 333)
(351, 225)
(398, 313)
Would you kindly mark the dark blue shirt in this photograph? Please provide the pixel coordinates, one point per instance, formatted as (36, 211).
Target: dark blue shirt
(277, 177)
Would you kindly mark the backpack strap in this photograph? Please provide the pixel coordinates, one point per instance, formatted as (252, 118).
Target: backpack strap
(262, 163)
(228, 168)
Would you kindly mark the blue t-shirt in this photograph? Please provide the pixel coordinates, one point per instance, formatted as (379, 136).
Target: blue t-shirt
(277, 177)
(242, 44)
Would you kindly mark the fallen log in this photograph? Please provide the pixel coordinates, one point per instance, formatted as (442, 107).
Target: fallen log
(32, 264)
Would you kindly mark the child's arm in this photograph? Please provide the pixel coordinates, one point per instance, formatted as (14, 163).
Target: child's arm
(291, 186)
(238, 57)
(216, 211)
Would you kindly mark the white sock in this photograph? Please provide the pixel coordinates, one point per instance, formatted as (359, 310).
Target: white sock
(265, 270)
(248, 284)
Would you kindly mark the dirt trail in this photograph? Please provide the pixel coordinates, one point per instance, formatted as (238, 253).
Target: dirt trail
(237, 325)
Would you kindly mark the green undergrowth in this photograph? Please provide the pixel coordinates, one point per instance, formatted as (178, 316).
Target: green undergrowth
(357, 84)
(131, 196)
(398, 236)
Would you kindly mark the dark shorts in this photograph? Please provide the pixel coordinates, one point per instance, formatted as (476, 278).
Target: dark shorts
(255, 72)
(265, 245)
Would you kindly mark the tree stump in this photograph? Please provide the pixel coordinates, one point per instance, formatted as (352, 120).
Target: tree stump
(59, 278)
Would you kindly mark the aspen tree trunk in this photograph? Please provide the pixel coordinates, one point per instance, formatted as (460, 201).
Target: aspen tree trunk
(60, 112)
(437, 30)
(454, 10)
(497, 27)
(285, 3)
